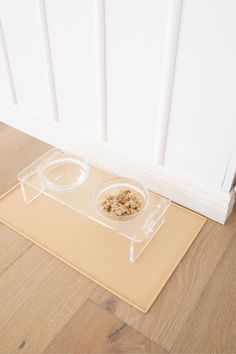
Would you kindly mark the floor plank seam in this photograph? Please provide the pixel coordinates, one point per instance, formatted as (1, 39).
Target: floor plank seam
(165, 351)
(217, 266)
(66, 324)
(17, 258)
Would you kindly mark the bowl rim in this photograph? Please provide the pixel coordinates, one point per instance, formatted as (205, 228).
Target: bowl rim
(121, 180)
(45, 164)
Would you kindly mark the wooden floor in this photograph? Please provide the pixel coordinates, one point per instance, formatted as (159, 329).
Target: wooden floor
(47, 307)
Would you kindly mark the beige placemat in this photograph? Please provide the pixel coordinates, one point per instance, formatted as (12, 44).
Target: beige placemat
(99, 253)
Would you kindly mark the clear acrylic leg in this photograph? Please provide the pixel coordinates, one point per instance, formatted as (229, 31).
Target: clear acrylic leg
(29, 193)
(137, 248)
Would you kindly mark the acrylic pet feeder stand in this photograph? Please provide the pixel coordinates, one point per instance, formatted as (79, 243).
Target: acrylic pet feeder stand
(139, 230)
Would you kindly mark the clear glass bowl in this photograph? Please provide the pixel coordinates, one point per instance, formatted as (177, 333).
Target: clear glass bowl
(63, 173)
(114, 185)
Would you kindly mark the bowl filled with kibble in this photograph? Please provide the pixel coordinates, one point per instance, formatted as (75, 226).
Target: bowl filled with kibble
(121, 199)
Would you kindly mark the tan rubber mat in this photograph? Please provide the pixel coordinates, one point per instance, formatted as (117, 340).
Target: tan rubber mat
(99, 253)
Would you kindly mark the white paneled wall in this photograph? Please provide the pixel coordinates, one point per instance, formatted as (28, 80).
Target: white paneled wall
(5, 79)
(135, 40)
(203, 109)
(144, 88)
(72, 37)
(4, 92)
(24, 46)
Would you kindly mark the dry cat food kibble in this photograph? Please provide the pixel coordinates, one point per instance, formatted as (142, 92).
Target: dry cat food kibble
(123, 202)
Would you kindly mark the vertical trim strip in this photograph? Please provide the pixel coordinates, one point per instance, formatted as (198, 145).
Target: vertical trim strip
(167, 79)
(10, 81)
(48, 57)
(100, 58)
(230, 173)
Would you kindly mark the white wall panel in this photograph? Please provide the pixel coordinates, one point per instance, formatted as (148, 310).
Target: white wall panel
(5, 93)
(101, 78)
(21, 27)
(135, 39)
(71, 26)
(4, 88)
(202, 124)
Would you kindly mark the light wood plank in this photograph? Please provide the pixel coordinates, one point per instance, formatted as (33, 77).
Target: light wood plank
(94, 330)
(211, 328)
(38, 296)
(17, 150)
(12, 246)
(170, 311)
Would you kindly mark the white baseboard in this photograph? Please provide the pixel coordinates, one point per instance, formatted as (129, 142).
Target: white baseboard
(207, 200)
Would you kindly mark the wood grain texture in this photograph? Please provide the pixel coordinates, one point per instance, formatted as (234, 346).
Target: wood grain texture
(12, 246)
(211, 327)
(38, 296)
(170, 311)
(17, 150)
(94, 330)
(43, 301)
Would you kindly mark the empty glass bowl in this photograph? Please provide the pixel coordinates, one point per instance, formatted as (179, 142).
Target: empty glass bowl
(64, 172)
(114, 186)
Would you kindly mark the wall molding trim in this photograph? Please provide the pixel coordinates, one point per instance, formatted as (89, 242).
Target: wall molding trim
(48, 58)
(230, 173)
(167, 78)
(196, 195)
(8, 70)
(100, 52)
